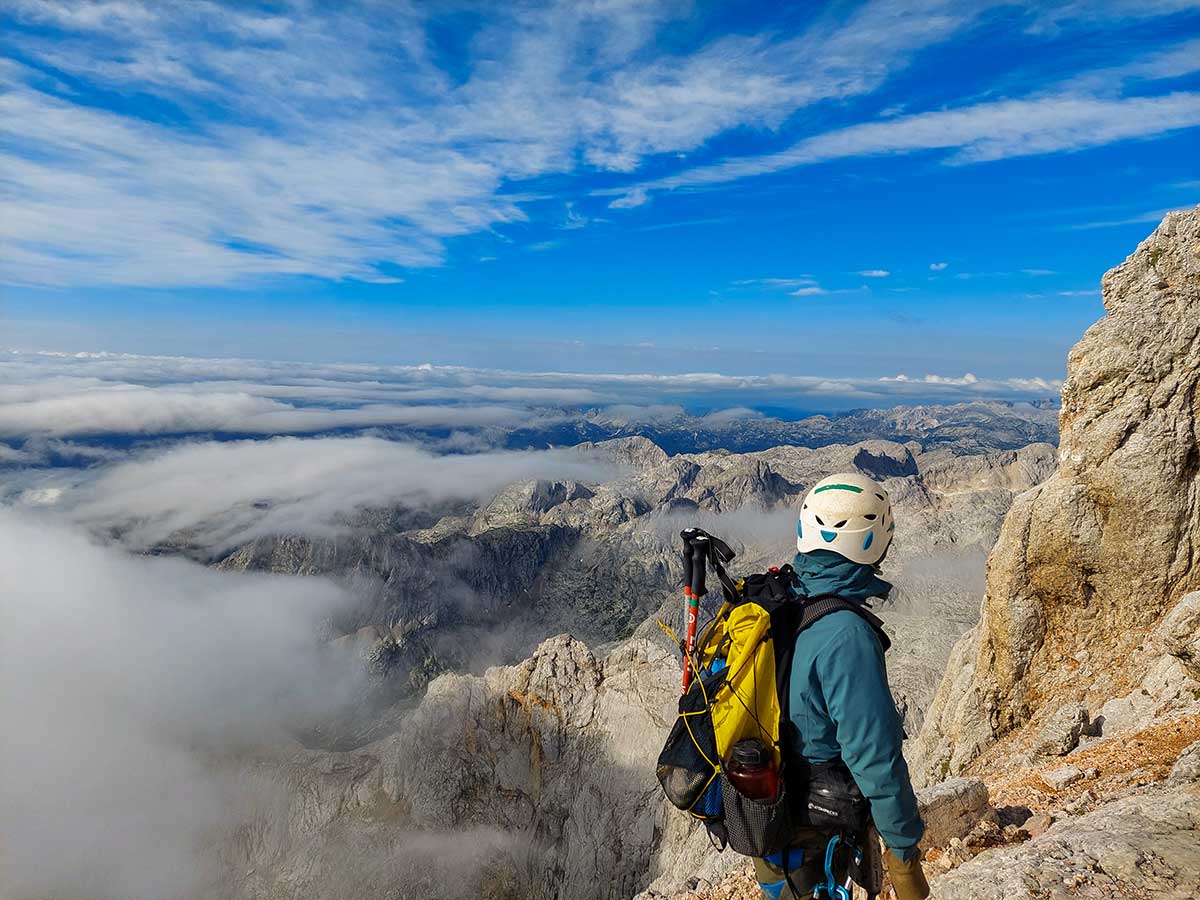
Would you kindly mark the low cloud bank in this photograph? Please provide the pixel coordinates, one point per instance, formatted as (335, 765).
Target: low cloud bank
(133, 409)
(123, 676)
(64, 395)
(223, 494)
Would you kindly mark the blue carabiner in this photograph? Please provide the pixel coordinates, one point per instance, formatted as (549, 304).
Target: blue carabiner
(830, 889)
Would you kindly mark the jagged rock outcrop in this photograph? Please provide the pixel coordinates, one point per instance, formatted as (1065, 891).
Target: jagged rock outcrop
(1187, 768)
(536, 780)
(1089, 561)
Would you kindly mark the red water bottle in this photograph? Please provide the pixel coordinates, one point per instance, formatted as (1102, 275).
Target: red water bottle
(751, 769)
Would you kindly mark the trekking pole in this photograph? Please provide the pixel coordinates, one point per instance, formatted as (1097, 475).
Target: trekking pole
(695, 558)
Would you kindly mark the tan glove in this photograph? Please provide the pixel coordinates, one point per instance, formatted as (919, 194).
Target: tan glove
(908, 879)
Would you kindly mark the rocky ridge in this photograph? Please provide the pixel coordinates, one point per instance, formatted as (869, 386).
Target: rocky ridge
(600, 560)
(976, 426)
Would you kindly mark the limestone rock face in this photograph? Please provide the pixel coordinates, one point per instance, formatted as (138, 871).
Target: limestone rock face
(534, 780)
(1187, 768)
(1090, 560)
(559, 750)
(1142, 846)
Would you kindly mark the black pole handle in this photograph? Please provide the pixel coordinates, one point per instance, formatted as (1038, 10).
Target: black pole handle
(701, 548)
(688, 535)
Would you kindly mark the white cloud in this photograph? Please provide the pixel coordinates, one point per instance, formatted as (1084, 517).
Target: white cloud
(1174, 61)
(1155, 215)
(1051, 17)
(130, 409)
(1036, 273)
(46, 399)
(980, 133)
(874, 273)
(938, 266)
(801, 281)
(223, 494)
(810, 290)
(574, 219)
(731, 415)
(967, 379)
(348, 170)
(635, 198)
(124, 679)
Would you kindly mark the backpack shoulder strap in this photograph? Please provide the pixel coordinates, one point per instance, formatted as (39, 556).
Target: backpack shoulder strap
(819, 607)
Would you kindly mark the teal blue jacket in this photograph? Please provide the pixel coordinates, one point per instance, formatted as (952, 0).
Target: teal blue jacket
(840, 700)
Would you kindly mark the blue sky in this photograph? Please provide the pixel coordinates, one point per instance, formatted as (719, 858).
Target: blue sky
(844, 189)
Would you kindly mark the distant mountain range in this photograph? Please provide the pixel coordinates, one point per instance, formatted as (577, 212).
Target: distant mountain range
(976, 426)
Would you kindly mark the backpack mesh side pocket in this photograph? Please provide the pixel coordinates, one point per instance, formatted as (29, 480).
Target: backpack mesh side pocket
(755, 827)
(689, 762)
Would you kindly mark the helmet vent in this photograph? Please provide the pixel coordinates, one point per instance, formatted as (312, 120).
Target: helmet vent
(819, 522)
(870, 517)
(841, 524)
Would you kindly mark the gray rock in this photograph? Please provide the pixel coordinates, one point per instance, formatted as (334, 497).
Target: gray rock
(1036, 826)
(1179, 632)
(1057, 779)
(1061, 733)
(951, 809)
(1167, 690)
(1187, 767)
(1142, 846)
(1131, 711)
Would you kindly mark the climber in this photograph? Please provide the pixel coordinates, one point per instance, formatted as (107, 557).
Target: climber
(839, 699)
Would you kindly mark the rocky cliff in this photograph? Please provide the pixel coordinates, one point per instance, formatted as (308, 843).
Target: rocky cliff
(1089, 561)
(530, 781)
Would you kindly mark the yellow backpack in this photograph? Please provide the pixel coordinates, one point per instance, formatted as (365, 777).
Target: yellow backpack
(742, 662)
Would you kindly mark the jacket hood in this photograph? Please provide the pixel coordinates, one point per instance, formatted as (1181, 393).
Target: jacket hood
(824, 573)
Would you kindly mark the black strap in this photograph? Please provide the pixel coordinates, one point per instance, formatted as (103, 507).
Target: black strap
(728, 585)
(819, 607)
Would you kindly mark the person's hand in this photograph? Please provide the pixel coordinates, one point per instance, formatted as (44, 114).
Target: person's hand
(908, 879)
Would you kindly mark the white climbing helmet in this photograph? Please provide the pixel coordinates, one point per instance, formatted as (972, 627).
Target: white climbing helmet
(849, 514)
